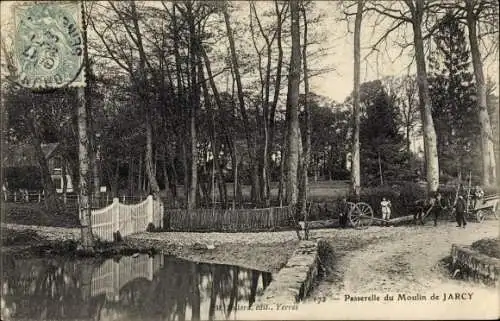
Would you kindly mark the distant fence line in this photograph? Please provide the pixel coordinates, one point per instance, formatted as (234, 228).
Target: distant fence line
(228, 220)
(117, 214)
(127, 219)
(68, 199)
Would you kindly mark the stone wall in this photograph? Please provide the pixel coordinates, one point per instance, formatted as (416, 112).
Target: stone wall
(474, 264)
(295, 279)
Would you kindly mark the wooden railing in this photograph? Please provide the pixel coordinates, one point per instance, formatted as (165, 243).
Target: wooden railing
(127, 219)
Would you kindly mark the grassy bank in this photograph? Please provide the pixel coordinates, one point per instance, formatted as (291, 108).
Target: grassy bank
(37, 214)
(31, 243)
(488, 246)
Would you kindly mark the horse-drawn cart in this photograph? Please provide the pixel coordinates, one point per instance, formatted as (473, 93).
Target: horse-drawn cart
(484, 207)
(361, 215)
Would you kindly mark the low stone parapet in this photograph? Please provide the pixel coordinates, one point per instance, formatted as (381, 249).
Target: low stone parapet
(295, 279)
(475, 265)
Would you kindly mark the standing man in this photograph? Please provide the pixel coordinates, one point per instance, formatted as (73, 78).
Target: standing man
(438, 207)
(343, 212)
(460, 212)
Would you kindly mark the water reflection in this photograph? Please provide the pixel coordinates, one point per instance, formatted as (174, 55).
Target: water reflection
(141, 288)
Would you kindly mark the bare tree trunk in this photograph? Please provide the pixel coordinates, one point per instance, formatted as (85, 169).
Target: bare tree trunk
(195, 101)
(281, 186)
(139, 175)
(355, 160)
(277, 82)
(87, 239)
(214, 143)
(96, 184)
(185, 160)
(293, 133)
(84, 206)
(153, 183)
(131, 176)
(241, 101)
(430, 144)
(194, 164)
(166, 181)
(408, 140)
(487, 146)
(142, 88)
(306, 155)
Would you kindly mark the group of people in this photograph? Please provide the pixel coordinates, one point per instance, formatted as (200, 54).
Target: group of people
(434, 206)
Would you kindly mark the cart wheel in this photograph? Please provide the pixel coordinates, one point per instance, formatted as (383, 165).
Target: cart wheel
(480, 215)
(361, 216)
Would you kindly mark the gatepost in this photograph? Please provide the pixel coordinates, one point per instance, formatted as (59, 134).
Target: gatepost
(150, 209)
(116, 214)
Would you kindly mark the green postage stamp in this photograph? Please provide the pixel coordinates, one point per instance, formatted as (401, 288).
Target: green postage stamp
(48, 44)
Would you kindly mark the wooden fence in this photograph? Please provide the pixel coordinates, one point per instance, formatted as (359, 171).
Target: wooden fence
(128, 219)
(228, 220)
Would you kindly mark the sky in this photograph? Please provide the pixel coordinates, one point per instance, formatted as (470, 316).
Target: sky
(337, 84)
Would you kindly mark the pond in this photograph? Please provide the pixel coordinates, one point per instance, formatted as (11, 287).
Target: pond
(128, 288)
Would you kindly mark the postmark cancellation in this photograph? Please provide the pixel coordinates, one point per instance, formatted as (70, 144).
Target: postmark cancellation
(48, 44)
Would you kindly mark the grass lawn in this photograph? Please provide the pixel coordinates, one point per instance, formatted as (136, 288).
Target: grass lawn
(36, 214)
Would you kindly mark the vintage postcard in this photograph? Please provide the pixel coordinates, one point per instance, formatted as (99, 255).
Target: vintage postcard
(250, 160)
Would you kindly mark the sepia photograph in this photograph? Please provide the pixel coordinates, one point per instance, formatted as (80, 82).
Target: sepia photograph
(250, 160)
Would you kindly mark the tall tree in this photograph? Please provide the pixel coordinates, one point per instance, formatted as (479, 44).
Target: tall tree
(292, 106)
(473, 10)
(252, 151)
(306, 153)
(355, 161)
(85, 211)
(269, 104)
(142, 90)
(415, 12)
(381, 141)
(194, 56)
(453, 96)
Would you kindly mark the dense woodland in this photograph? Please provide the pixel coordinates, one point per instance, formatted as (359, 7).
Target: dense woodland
(193, 101)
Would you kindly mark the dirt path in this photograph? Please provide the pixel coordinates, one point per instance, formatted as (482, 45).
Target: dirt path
(401, 259)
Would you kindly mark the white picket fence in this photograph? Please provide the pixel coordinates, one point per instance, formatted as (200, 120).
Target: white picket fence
(128, 219)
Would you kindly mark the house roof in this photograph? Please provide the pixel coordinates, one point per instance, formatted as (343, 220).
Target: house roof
(21, 155)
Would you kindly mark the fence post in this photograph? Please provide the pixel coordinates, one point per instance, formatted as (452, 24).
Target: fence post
(123, 199)
(15, 197)
(149, 208)
(162, 213)
(39, 197)
(116, 214)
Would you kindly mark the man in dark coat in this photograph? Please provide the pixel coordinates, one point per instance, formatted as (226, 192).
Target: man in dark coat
(343, 211)
(460, 212)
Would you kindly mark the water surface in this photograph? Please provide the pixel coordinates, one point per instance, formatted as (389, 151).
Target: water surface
(140, 288)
